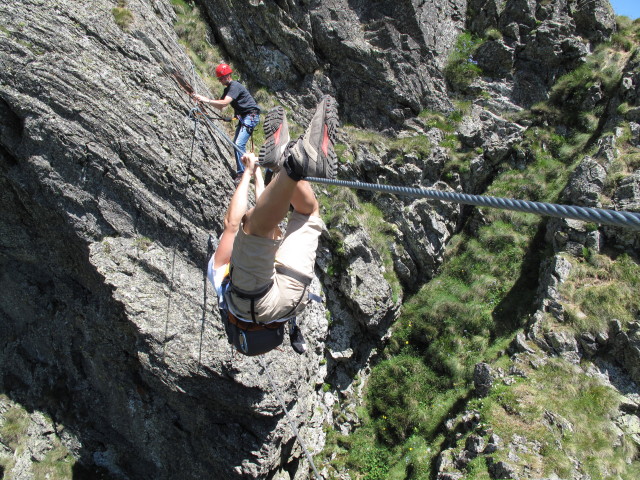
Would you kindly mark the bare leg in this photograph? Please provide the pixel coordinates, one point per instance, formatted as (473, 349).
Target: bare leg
(271, 207)
(304, 199)
(235, 212)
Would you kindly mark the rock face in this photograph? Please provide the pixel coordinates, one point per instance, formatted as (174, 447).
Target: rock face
(536, 41)
(108, 198)
(106, 319)
(382, 60)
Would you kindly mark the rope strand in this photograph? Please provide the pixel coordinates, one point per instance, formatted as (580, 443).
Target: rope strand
(617, 218)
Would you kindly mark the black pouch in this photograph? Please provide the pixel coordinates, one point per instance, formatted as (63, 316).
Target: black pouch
(253, 341)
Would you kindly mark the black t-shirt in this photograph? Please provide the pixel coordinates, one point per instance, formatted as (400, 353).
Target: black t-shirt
(242, 103)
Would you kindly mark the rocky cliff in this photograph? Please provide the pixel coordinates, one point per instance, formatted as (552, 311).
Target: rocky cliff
(110, 191)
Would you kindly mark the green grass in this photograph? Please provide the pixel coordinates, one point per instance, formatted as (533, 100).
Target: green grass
(14, 424)
(464, 315)
(461, 70)
(194, 33)
(418, 144)
(601, 288)
(14, 427)
(580, 400)
(122, 15)
(342, 211)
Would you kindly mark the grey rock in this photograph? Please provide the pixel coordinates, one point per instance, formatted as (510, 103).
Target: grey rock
(553, 273)
(602, 338)
(475, 444)
(494, 444)
(625, 348)
(595, 20)
(519, 344)
(450, 476)
(445, 461)
(363, 283)
(503, 470)
(535, 331)
(562, 342)
(106, 211)
(627, 194)
(463, 458)
(495, 58)
(635, 133)
(585, 184)
(482, 379)
(588, 343)
(562, 424)
(107, 320)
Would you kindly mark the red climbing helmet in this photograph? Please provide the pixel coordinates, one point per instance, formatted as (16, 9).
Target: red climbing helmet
(222, 70)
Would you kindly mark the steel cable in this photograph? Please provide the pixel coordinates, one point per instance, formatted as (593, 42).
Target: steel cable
(598, 215)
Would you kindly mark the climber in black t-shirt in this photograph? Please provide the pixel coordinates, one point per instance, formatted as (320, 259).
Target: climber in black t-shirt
(245, 109)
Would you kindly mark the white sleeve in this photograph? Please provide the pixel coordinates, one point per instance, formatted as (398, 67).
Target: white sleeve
(210, 271)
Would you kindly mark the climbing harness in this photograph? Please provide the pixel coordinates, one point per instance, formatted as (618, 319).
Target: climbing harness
(252, 337)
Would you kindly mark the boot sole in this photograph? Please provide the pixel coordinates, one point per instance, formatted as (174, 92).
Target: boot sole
(326, 165)
(273, 128)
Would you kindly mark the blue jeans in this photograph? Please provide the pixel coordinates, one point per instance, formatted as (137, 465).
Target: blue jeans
(244, 130)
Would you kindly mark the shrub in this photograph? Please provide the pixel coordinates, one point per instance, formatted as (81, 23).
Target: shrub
(122, 15)
(461, 70)
(493, 34)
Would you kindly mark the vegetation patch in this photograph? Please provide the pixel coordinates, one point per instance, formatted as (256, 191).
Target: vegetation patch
(571, 427)
(342, 212)
(461, 70)
(57, 463)
(122, 15)
(601, 288)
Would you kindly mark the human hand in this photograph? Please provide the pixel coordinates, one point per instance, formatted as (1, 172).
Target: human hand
(250, 162)
(199, 98)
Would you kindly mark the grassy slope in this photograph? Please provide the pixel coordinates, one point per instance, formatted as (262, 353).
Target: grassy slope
(480, 300)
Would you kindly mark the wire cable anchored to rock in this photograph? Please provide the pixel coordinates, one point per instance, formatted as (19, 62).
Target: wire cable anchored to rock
(617, 218)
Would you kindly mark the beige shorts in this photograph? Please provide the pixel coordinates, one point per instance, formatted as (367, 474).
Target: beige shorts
(253, 266)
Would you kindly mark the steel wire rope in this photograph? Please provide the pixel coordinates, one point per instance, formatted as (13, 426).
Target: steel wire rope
(173, 261)
(197, 112)
(603, 216)
(617, 218)
(209, 247)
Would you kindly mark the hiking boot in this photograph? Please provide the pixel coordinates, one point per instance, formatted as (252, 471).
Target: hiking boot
(276, 132)
(298, 343)
(312, 155)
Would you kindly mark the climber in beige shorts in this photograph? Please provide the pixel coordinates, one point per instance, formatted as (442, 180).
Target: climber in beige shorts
(268, 273)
